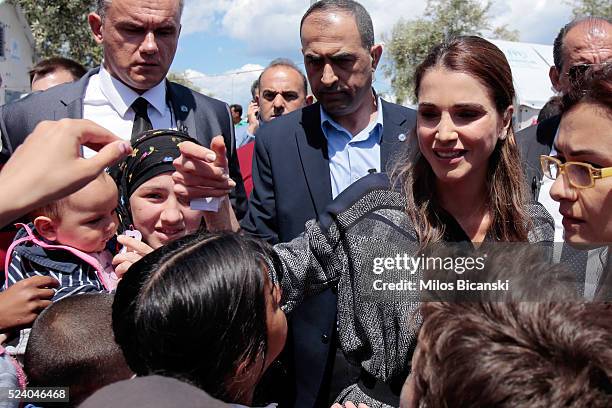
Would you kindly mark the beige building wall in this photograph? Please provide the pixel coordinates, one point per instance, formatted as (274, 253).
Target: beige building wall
(17, 53)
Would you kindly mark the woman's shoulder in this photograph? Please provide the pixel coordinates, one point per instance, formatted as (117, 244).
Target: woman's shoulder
(542, 223)
(369, 194)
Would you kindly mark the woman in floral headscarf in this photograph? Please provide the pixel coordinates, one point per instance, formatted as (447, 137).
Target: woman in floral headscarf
(148, 203)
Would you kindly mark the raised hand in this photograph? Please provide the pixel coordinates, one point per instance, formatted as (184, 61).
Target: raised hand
(202, 172)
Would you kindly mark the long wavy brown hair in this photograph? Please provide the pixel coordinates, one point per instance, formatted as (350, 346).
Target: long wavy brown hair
(505, 184)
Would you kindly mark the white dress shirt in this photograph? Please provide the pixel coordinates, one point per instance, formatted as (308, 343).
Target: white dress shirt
(107, 102)
(546, 200)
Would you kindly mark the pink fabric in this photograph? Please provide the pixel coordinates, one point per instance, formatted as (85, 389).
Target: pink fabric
(80, 254)
(245, 160)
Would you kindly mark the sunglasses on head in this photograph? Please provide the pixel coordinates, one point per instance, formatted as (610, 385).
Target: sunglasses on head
(576, 72)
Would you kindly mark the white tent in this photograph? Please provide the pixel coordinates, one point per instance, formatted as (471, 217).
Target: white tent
(530, 64)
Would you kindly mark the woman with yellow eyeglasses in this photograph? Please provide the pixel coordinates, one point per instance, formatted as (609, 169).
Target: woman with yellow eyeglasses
(582, 168)
(584, 158)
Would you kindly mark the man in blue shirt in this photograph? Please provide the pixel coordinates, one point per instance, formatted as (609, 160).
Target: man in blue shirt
(308, 157)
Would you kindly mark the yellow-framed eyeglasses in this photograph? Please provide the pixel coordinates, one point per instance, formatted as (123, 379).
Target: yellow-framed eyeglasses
(579, 175)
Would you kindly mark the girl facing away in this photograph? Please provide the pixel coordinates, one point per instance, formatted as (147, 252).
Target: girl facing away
(203, 309)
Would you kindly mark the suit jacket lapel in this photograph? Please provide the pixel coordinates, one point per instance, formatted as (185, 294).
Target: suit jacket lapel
(392, 141)
(182, 110)
(72, 100)
(312, 149)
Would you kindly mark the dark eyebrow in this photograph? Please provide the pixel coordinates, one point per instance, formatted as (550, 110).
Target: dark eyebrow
(578, 153)
(129, 23)
(476, 106)
(584, 152)
(342, 54)
(152, 188)
(426, 105)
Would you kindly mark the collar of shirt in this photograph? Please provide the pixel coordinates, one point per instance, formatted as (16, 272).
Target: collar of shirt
(121, 97)
(331, 128)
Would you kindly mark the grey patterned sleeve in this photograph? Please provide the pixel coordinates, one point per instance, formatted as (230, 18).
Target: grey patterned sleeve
(309, 264)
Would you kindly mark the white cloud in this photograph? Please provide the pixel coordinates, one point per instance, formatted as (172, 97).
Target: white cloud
(232, 86)
(270, 28)
(201, 16)
(537, 21)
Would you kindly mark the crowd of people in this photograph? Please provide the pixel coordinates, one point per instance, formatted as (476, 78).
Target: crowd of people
(166, 255)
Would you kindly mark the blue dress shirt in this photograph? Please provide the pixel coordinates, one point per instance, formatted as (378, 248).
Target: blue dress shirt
(351, 157)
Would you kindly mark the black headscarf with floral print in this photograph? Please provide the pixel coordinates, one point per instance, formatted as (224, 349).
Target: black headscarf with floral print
(153, 154)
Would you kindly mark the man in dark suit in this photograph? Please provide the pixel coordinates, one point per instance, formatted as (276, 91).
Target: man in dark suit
(306, 158)
(128, 93)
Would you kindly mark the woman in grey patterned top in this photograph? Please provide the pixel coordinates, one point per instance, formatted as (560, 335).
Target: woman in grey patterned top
(462, 183)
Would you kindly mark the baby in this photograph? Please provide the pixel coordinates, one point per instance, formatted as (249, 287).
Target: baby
(67, 241)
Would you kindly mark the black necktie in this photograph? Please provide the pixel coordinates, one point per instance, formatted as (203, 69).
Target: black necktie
(142, 123)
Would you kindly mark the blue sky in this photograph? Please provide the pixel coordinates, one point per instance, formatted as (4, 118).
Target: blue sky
(224, 43)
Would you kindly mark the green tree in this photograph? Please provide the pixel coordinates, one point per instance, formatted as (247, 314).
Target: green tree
(597, 8)
(410, 41)
(181, 78)
(60, 28)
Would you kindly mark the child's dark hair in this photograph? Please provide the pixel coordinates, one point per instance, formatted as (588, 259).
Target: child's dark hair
(195, 310)
(537, 345)
(71, 344)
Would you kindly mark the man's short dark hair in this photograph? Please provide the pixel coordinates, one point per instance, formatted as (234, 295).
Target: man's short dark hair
(102, 6)
(558, 56)
(236, 108)
(515, 355)
(550, 109)
(284, 62)
(72, 344)
(362, 17)
(50, 65)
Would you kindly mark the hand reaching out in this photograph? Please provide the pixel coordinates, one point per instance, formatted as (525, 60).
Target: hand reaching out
(202, 172)
(55, 168)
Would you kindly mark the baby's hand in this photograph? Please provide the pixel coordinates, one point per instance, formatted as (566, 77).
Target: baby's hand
(134, 250)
